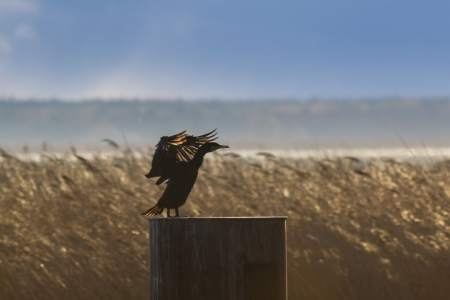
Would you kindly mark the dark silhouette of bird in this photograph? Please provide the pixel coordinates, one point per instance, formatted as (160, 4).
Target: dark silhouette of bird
(176, 160)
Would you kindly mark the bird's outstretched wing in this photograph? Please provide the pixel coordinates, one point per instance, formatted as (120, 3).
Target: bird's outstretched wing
(175, 149)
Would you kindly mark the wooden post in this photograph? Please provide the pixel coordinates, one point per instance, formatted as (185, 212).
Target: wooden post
(218, 258)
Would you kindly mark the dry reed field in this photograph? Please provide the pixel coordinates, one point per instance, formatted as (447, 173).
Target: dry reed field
(379, 229)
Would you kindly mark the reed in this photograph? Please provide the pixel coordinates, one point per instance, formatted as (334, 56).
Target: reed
(71, 229)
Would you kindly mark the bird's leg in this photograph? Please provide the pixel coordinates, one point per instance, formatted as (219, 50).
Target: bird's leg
(177, 214)
(168, 213)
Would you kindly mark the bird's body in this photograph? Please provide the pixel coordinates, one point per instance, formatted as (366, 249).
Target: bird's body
(179, 186)
(180, 170)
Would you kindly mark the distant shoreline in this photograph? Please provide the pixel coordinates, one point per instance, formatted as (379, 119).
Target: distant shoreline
(251, 124)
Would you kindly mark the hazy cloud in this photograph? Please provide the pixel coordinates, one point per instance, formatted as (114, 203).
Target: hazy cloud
(25, 32)
(18, 6)
(5, 46)
(171, 84)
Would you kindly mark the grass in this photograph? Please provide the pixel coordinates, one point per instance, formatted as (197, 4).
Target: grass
(71, 229)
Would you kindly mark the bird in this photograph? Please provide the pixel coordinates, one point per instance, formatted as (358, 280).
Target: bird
(176, 161)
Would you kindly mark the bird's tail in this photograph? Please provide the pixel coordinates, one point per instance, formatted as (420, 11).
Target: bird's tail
(154, 211)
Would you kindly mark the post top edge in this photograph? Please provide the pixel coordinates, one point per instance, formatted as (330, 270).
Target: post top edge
(218, 218)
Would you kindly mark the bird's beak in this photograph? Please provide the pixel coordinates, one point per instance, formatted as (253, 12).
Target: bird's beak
(219, 147)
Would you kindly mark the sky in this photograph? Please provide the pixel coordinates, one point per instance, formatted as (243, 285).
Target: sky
(229, 49)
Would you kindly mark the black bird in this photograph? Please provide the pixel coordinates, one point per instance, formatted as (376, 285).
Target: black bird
(177, 159)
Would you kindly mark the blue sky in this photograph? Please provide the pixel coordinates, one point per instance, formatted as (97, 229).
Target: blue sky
(224, 49)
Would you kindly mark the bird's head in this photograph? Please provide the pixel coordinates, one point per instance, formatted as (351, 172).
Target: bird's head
(210, 147)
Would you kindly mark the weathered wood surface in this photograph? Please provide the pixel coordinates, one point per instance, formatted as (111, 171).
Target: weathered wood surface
(218, 258)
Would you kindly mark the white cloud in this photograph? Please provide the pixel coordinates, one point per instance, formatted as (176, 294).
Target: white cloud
(5, 46)
(25, 32)
(19, 6)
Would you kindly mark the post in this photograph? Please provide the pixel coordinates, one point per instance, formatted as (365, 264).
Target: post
(218, 258)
